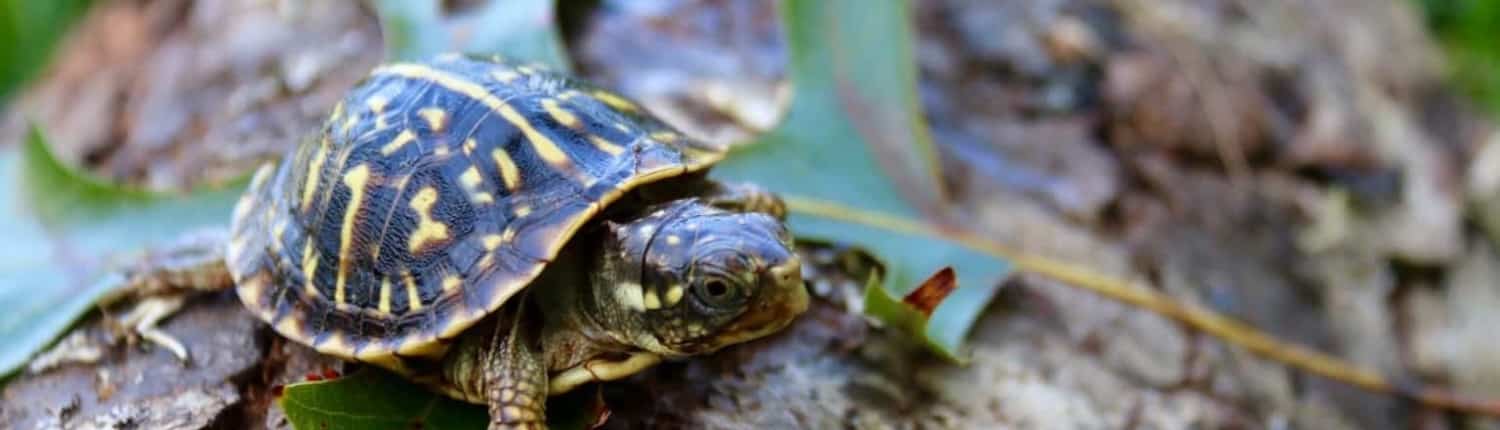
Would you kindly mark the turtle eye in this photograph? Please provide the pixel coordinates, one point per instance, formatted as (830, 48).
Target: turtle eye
(716, 289)
(717, 293)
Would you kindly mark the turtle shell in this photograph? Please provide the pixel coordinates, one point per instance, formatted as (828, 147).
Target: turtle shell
(435, 191)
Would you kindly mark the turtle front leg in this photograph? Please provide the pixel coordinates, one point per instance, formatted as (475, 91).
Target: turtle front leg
(162, 283)
(144, 316)
(515, 378)
(745, 197)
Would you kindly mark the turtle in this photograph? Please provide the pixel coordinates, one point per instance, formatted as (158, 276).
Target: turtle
(498, 232)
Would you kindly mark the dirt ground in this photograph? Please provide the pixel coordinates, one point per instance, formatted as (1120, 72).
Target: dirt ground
(1301, 166)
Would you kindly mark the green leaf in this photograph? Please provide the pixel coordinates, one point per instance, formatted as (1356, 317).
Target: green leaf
(65, 231)
(1466, 29)
(371, 398)
(894, 313)
(375, 399)
(852, 137)
(521, 29)
(28, 31)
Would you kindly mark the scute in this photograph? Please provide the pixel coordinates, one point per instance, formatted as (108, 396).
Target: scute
(458, 168)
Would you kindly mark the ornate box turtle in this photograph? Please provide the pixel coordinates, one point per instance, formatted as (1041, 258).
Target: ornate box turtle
(498, 233)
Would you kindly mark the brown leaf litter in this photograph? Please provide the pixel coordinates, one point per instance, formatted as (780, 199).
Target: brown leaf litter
(1266, 159)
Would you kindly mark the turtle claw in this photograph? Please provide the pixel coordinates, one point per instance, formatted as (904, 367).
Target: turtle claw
(162, 283)
(142, 320)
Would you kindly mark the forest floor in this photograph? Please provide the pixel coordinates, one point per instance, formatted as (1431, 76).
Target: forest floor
(1301, 166)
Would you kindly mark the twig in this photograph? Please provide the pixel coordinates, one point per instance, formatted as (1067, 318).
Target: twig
(1231, 331)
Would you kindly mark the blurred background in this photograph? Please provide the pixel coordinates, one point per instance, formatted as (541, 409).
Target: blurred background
(1328, 171)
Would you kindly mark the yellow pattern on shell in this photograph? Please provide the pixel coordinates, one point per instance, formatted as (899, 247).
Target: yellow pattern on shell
(470, 178)
(604, 145)
(413, 296)
(436, 117)
(471, 181)
(543, 145)
(567, 119)
(406, 136)
(385, 295)
(355, 180)
(506, 76)
(314, 173)
(615, 101)
(377, 109)
(493, 241)
(428, 229)
(309, 268)
(452, 281)
(338, 112)
(508, 170)
(278, 232)
(245, 204)
(665, 136)
(348, 124)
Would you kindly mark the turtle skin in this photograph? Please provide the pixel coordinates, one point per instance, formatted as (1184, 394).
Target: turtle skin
(435, 192)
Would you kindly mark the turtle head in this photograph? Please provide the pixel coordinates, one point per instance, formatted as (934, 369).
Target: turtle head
(695, 278)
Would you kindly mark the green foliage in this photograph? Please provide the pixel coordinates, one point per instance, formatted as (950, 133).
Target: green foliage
(374, 399)
(1470, 32)
(66, 229)
(28, 31)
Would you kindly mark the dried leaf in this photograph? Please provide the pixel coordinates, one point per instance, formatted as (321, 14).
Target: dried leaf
(931, 293)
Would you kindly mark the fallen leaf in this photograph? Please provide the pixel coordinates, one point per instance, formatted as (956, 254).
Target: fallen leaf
(28, 29)
(931, 292)
(67, 230)
(375, 399)
(852, 145)
(372, 398)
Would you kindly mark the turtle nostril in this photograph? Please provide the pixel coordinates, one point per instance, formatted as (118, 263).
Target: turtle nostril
(788, 272)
